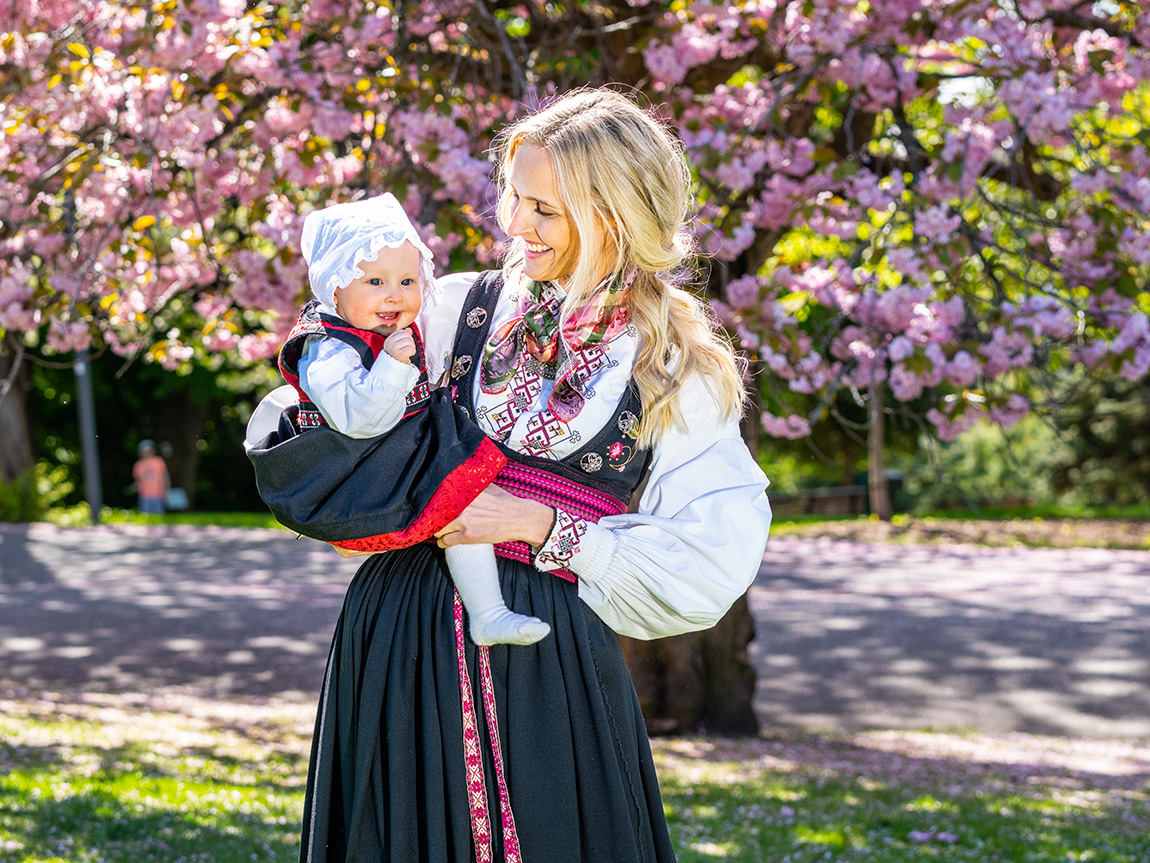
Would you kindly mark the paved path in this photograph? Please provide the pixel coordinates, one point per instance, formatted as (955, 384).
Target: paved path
(218, 612)
(849, 635)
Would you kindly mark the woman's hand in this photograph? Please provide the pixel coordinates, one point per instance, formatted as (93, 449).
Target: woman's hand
(499, 516)
(347, 552)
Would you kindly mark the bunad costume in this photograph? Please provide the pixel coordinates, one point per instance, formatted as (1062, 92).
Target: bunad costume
(428, 748)
(432, 462)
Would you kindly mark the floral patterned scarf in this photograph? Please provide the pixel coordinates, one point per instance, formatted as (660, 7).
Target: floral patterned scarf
(535, 331)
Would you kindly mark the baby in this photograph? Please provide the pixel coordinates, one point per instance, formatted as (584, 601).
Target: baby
(356, 358)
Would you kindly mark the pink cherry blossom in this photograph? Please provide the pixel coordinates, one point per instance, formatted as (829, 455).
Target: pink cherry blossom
(790, 427)
(866, 225)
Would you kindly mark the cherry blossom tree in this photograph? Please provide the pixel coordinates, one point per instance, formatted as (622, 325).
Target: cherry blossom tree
(937, 202)
(898, 198)
(924, 198)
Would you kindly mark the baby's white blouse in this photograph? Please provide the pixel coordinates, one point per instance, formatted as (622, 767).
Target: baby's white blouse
(355, 401)
(697, 537)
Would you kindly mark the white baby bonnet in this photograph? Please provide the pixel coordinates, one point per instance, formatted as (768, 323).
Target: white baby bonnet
(337, 238)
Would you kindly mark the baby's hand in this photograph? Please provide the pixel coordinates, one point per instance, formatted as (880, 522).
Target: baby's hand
(400, 345)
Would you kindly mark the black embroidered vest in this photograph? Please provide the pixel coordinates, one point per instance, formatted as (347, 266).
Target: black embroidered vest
(611, 461)
(314, 322)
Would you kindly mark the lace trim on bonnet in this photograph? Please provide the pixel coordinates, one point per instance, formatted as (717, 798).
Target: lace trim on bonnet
(337, 238)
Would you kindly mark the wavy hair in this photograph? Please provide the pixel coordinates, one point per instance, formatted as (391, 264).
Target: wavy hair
(619, 170)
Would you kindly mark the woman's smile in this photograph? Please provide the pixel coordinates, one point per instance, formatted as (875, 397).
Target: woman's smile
(535, 252)
(539, 218)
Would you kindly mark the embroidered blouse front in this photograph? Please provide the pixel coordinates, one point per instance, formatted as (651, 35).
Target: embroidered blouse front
(696, 539)
(522, 411)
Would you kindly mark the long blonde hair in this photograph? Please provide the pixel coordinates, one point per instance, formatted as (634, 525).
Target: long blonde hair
(619, 169)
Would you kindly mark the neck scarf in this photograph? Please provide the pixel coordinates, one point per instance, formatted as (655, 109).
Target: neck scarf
(535, 331)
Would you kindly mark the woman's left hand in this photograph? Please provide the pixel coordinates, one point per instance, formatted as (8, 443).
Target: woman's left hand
(499, 516)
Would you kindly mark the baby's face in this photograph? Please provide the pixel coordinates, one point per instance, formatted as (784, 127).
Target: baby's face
(388, 295)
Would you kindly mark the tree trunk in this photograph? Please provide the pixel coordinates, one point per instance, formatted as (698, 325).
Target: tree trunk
(178, 423)
(752, 423)
(877, 488)
(15, 433)
(701, 682)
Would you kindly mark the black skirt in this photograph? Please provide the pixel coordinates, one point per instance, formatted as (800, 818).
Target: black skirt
(388, 781)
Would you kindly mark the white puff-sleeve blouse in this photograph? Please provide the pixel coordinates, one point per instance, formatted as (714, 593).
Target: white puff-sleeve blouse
(697, 537)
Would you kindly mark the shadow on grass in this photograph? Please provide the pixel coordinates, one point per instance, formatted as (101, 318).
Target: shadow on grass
(130, 802)
(92, 823)
(1052, 763)
(806, 798)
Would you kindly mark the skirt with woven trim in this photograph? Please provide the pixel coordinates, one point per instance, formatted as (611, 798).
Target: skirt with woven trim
(387, 780)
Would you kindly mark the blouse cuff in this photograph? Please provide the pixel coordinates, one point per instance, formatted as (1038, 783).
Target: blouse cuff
(576, 545)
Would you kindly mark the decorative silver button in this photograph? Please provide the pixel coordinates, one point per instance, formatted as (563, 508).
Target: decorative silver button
(461, 365)
(465, 411)
(629, 424)
(591, 462)
(476, 317)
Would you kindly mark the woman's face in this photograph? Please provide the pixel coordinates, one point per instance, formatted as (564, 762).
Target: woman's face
(387, 297)
(539, 218)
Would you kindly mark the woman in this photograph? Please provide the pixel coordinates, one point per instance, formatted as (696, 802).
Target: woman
(592, 371)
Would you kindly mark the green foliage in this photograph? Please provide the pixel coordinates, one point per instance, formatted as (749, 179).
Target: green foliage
(1107, 430)
(201, 412)
(26, 497)
(987, 465)
(19, 498)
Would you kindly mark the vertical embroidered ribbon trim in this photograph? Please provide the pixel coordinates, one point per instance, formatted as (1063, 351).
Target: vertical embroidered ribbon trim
(510, 836)
(472, 757)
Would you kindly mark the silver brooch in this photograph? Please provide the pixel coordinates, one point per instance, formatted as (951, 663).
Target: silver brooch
(460, 366)
(465, 411)
(476, 317)
(591, 462)
(628, 424)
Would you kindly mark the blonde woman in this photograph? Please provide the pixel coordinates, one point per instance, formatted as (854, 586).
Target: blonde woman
(593, 372)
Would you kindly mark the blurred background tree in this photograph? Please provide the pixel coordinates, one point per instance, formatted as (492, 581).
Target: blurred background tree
(907, 206)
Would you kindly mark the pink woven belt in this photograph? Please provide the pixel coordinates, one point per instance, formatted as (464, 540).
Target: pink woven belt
(537, 484)
(577, 500)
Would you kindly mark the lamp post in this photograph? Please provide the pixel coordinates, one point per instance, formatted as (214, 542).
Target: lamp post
(85, 402)
(89, 451)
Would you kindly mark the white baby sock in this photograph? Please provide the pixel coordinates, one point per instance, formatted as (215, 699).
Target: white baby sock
(477, 580)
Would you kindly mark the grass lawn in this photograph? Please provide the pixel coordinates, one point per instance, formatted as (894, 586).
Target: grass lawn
(1036, 527)
(80, 516)
(107, 779)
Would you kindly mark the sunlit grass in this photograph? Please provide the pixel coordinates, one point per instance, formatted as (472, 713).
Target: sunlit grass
(115, 782)
(81, 516)
(110, 784)
(1049, 511)
(793, 800)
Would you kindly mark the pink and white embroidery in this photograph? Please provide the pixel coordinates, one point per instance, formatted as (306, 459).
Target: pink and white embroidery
(473, 758)
(507, 817)
(563, 543)
(543, 432)
(521, 418)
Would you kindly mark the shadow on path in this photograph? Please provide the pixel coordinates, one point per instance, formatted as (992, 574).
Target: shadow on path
(218, 611)
(852, 636)
(849, 636)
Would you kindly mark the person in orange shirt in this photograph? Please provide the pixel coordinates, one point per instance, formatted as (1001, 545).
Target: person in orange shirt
(151, 478)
